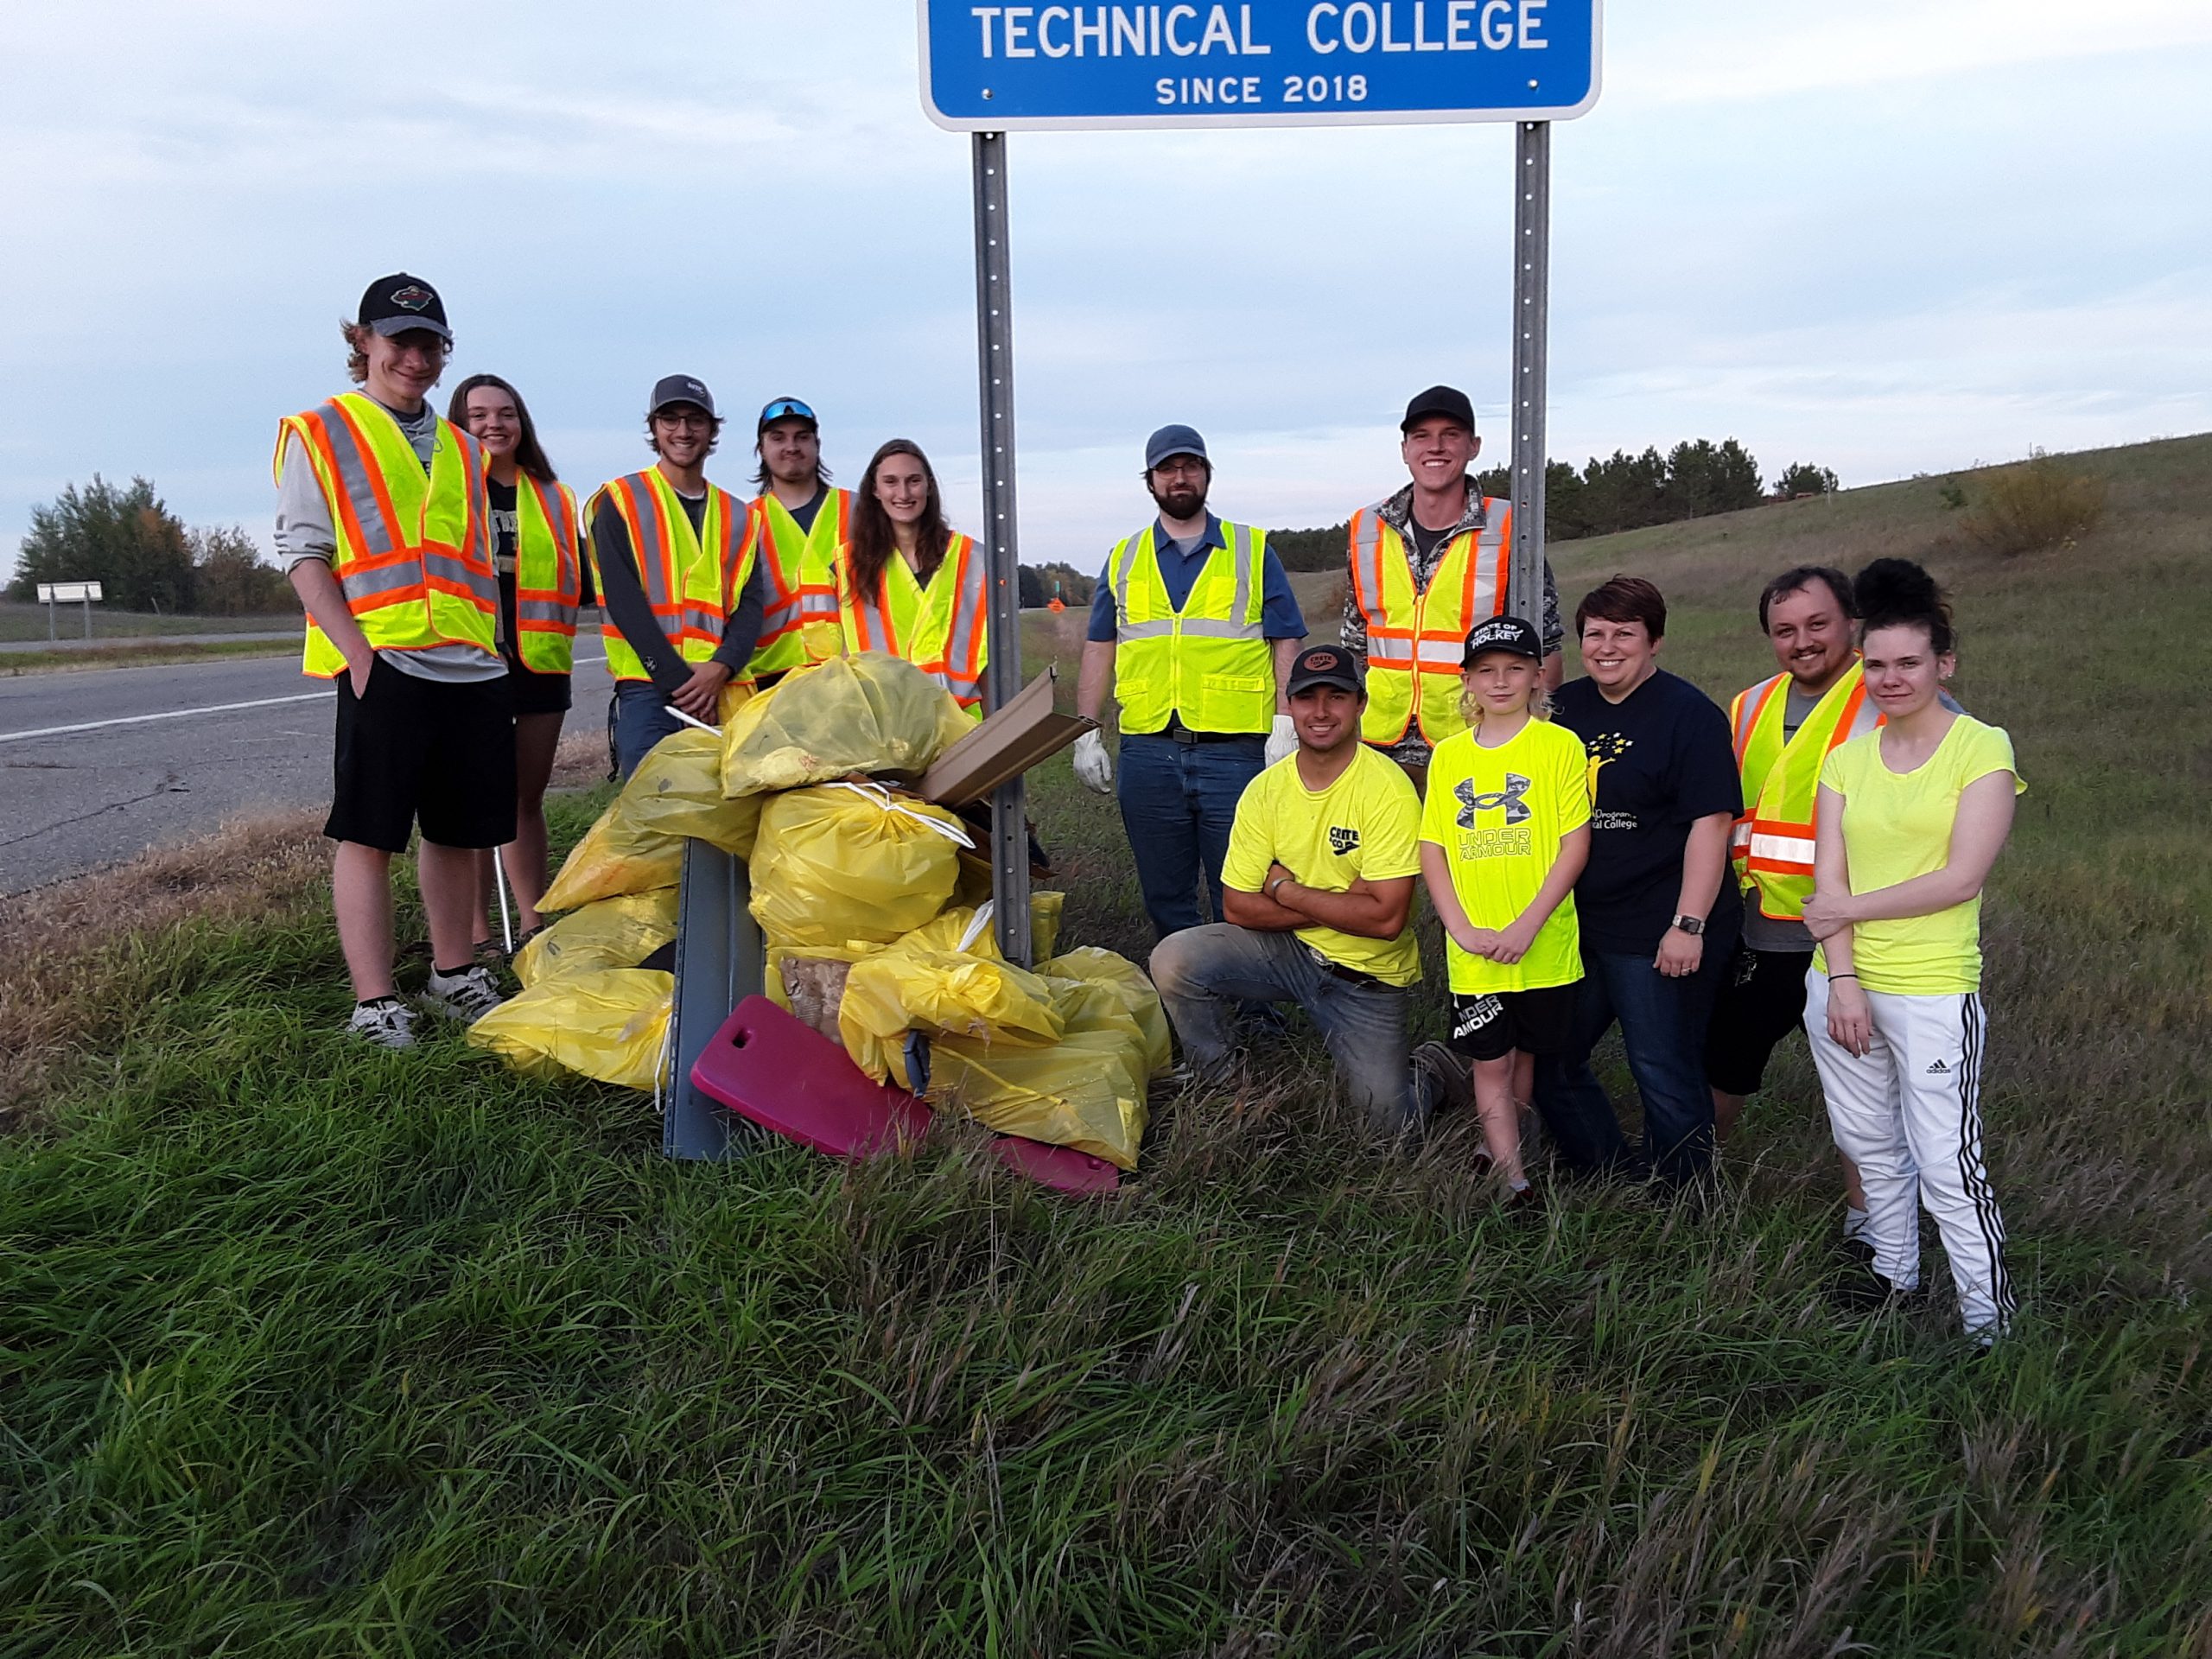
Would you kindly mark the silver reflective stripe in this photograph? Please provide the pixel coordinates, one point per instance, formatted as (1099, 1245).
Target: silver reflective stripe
(967, 609)
(461, 574)
(1244, 557)
(542, 610)
(653, 555)
(1153, 630)
(1445, 653)
(367, 584)
(704, 621)
(781, 616)
(1206, 630)
(1125, 556)
(354, 473)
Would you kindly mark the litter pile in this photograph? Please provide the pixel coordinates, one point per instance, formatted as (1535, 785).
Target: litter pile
(875, 909)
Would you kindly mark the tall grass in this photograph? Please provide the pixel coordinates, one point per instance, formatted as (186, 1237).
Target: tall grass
(312, 1352)
(2039, 503)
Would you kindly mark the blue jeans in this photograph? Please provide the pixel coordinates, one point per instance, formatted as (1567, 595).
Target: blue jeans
(642, 718)
(1662, 1024)
(1202, 973)
(1178, 803)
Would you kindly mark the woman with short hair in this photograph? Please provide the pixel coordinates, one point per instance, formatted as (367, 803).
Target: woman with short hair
(544, 581)
(907, 583)
(1911, 819)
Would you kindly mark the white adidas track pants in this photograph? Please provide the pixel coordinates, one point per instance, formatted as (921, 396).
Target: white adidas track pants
(1909, 1114)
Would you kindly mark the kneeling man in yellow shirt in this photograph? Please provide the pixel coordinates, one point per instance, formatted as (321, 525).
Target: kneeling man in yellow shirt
(1317, 887)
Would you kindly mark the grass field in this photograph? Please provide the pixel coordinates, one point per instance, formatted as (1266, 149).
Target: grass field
(19, 621)
(311, 1353)
(140, 653)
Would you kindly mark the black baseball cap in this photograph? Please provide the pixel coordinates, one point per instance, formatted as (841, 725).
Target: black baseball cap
(680, 389)
(1326, 665)
(1507, 633)
(1170, 441)
(1448, 401)
(785, 409)
(399, 304)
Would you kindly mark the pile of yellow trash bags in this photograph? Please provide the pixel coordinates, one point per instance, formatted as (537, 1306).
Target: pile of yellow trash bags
(882, 889)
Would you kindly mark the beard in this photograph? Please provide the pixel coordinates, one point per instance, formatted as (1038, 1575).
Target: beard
(1182, 502)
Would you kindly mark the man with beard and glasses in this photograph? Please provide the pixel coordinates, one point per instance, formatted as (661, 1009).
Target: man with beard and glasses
(1194, 627)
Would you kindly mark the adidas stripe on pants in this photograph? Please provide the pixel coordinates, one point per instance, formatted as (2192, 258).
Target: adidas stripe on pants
(1909, 1114)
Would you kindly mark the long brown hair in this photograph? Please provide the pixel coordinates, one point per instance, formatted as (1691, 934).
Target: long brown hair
(874, 545)
(529, 455)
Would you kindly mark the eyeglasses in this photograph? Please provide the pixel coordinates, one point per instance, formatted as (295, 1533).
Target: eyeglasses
(786, 408)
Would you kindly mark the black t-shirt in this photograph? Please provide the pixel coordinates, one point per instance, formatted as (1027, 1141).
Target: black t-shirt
(1425, 541)
(503, 558)
(805, 517)
(1660, 759)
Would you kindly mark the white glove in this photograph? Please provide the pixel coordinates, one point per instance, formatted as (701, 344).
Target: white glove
(1282, 742)
(1093, 766)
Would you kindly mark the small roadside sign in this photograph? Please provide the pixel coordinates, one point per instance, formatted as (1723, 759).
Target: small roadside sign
(1280, 63)
(67, 592)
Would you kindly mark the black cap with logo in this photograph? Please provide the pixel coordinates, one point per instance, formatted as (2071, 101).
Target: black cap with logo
(399, 304)
(1506, 633)
(1326, 665)
(1447, 403)
(680, 388)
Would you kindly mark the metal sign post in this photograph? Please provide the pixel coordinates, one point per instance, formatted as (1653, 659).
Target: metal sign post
(1002, 675)
(52, 593)
(1532, 268)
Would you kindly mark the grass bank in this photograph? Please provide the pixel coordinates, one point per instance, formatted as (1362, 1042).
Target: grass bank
(310, 1352)
(140, 654)
(21, 621)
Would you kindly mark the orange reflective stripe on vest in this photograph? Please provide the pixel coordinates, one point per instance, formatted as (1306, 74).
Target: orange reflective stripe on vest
(1772, 844)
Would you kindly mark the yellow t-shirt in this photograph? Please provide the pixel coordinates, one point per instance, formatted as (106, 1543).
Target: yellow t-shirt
(1361, 825)
(1897, 825)
(1500, 815)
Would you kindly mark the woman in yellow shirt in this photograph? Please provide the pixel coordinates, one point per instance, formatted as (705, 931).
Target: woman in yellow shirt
(1911, 819)
(1504, 834)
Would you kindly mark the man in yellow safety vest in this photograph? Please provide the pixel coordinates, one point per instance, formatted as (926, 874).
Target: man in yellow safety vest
(1194, 627)
(385, 528)
(673, 558)
(805, 519)
(1427, 565)
(1785, 728)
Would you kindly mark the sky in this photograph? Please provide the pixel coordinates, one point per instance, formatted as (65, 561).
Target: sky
(1891, 237)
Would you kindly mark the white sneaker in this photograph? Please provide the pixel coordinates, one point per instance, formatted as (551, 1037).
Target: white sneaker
(387, 1022)
(466, 996)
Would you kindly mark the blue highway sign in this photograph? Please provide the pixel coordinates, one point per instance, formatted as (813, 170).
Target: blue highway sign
(997, 67)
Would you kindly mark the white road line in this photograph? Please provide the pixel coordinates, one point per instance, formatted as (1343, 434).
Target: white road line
(167, 714)
(186, 714)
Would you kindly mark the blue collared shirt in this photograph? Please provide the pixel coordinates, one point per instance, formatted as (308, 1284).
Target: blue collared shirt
(1280, 617)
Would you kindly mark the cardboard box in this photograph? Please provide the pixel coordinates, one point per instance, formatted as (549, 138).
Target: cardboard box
(1016, 738)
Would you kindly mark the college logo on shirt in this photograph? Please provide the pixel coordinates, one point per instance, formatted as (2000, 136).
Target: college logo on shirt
(1511, 797)
(1604, 750)
(1341, 840)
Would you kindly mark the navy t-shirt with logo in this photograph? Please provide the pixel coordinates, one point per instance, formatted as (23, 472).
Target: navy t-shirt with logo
(1660, 760)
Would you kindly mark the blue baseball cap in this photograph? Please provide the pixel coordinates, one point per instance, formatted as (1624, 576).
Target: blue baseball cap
(1172, 441)
(785, 409)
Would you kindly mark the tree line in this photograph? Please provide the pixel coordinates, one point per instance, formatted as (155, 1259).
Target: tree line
(145, 558)
(1694, 480)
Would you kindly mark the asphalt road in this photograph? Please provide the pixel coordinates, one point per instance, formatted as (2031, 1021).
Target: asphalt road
(99, 764)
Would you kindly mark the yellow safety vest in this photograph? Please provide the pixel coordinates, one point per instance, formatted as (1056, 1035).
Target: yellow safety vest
(1208, 662)
(1415, 640)
(944, 629)
(413, 553)
(692, 581)
(802, 585)
(1772, 843)
(549, 574)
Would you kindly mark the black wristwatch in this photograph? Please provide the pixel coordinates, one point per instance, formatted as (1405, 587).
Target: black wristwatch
(1693, 925)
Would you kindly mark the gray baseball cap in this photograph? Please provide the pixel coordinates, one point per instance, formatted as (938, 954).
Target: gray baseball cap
(1172, 441)
(680, 388)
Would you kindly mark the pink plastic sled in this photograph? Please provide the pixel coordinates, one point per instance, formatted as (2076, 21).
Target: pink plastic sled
(769, 1068)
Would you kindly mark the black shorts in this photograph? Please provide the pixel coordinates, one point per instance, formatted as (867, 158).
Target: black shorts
(411, 749)
(1493, 1026)
(536, 694)
(1761, 1000)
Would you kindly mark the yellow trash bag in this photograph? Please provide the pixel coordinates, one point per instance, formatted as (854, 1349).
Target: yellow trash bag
(974, 888)
(638, 843)
(606, 933)
(850, 863)
(610, 1025)
(947, 979)
(1128, 982)
(1086, 1092)
(870, 712)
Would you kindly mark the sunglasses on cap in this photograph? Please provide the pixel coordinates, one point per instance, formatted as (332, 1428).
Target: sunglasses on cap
(787, 409)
